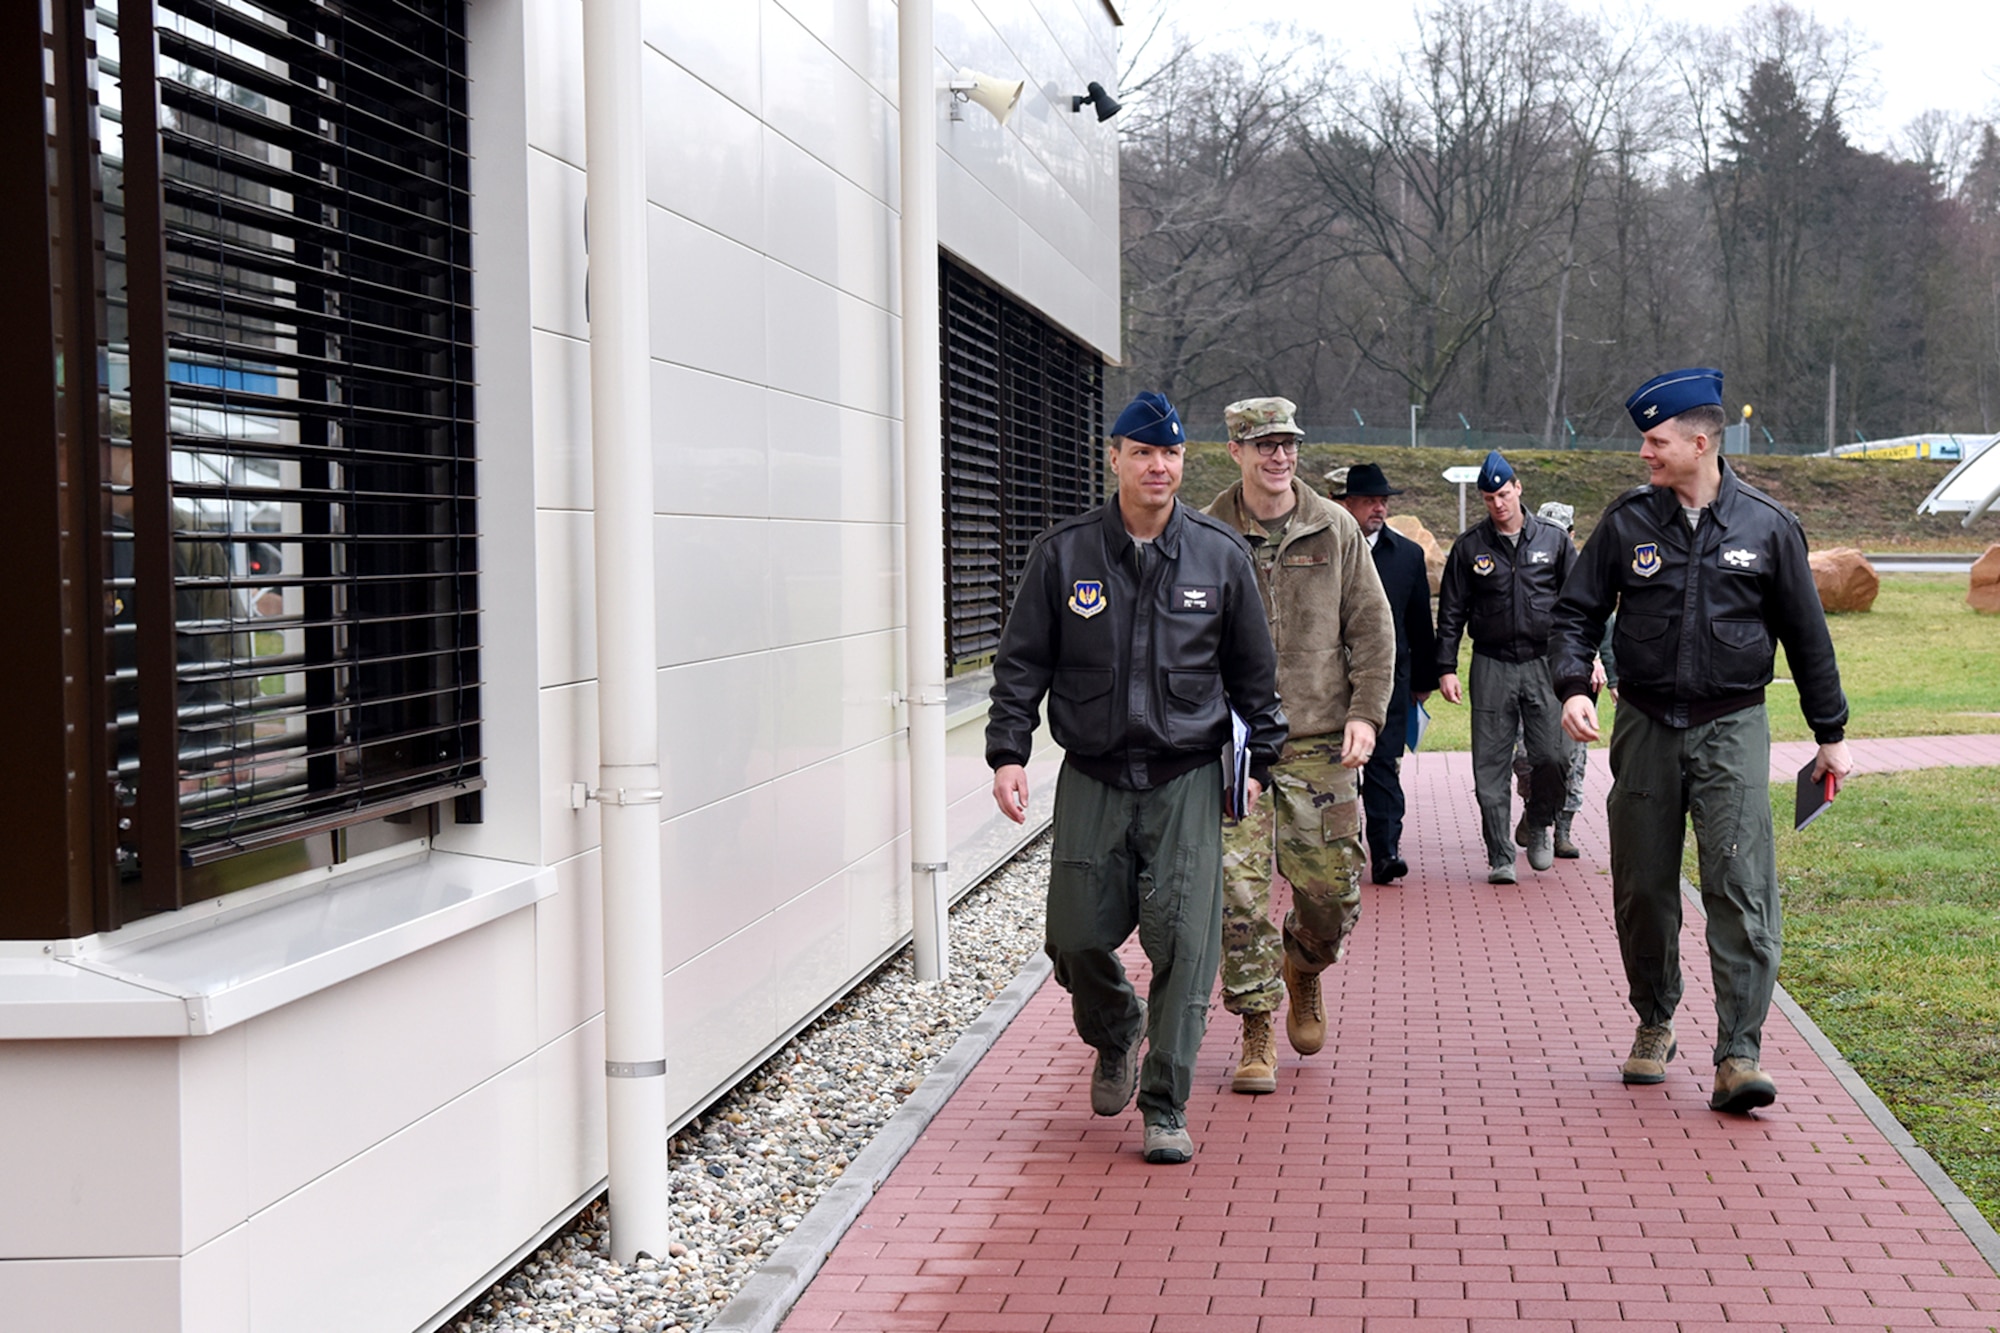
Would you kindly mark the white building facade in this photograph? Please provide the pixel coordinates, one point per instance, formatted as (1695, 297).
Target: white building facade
(309, 1035)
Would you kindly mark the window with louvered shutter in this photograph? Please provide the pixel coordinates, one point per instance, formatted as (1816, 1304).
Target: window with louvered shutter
(312, 167)
(257, 229)
(1023, 443)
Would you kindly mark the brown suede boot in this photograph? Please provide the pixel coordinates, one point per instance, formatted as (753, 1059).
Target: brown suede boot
(1652, 1047)
(1305, 1016)
(1258, 1071)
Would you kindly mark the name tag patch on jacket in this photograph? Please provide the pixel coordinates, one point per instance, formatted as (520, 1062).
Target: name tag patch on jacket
(1206, 601)
(1741, 558)
(1086, 597)
(1482, 564)
(1540, 557)
(1646, 559)
(1300, 561)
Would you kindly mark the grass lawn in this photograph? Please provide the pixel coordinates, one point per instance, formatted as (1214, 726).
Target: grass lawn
(1920, 663)
(1892, 944)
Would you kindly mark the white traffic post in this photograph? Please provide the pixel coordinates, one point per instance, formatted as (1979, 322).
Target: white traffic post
(628, 728)
(1463, 476)
(923, 491)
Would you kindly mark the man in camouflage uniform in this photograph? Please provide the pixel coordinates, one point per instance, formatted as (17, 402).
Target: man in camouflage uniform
(1336, 645)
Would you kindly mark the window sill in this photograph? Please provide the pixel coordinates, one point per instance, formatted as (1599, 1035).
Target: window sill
(218, 973)
(967, 698)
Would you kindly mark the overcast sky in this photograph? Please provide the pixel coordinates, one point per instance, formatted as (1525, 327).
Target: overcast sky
(1929, 53)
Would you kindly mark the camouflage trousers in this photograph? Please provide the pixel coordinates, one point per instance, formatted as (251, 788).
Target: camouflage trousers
(1311, 818)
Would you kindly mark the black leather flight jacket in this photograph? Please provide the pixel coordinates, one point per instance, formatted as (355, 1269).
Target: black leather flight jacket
(1501, 592)
(1700, 613)
(1141, 665)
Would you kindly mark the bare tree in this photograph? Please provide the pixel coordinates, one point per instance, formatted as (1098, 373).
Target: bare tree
(1209, 245)
(1526, 215)
(1600, 101)
(1435, 185)
(1765, 106)
(1944, 145)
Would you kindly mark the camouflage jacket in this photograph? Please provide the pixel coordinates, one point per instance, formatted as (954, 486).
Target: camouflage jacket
(1329, 617)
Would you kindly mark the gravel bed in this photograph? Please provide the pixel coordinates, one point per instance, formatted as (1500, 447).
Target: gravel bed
(745, 1171)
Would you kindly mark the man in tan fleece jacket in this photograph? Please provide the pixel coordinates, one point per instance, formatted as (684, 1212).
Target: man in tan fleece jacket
(1336, 644)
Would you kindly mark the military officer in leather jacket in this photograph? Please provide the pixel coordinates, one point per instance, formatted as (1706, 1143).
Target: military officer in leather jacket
(1707, 575)
(1141, 623)
(1499, 584)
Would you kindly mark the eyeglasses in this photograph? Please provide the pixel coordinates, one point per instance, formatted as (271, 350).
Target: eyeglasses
(1267, 448)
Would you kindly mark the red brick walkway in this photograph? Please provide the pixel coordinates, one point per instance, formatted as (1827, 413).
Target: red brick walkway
(1462, 1154)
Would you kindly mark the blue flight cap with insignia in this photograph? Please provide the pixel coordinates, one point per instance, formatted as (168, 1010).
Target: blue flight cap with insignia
(1150, 419)
(1495, 472)
(1669, 395)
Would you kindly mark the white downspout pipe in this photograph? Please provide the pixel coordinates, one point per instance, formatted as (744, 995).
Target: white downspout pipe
(923, 489)
(628, 729)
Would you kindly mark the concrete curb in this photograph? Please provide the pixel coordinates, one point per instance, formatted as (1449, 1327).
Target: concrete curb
(1961, 1209)
(769, 1294)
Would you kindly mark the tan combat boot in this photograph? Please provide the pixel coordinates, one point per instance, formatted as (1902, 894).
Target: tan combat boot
(1652, 1046)
(1305, 1016)
(1258, 1071)
(1741, 1086)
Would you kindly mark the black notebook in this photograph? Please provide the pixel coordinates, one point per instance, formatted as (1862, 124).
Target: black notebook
(1815, 796)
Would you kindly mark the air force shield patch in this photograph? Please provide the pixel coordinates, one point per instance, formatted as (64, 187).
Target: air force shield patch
(1646, 559)
(1086, 597)
(1482, 564)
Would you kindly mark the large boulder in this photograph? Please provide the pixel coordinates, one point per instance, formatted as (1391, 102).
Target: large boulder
(1984, 594)
(1412, 527)
(1845, 579)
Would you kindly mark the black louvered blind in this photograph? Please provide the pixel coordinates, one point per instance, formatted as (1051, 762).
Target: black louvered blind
(312, 160)
(1023, 442)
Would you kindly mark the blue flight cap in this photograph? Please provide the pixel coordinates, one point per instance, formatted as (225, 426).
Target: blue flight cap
(1666, 396)
(1150, 419)
(1495, 472)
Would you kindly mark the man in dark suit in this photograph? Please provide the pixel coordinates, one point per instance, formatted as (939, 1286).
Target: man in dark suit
(1365, 493)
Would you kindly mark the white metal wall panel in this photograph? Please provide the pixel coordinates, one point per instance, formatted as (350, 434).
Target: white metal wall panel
(418, 1123)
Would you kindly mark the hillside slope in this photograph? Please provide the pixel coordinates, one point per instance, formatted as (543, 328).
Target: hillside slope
(1841, 501)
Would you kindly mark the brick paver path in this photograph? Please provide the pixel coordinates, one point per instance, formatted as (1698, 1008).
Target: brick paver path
(1461, 1156)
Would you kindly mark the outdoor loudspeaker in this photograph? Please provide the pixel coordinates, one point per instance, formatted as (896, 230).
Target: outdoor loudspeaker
(998, 96)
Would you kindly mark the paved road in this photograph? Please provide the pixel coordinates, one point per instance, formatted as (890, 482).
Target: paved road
(1922, 564)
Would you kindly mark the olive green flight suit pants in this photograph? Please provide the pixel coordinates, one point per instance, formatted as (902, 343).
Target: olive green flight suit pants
(1717, 776)
(1512, 699)
(1311, 819)
(1150, 861)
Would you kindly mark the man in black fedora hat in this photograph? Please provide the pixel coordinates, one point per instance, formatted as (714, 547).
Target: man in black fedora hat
(1399, 562)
